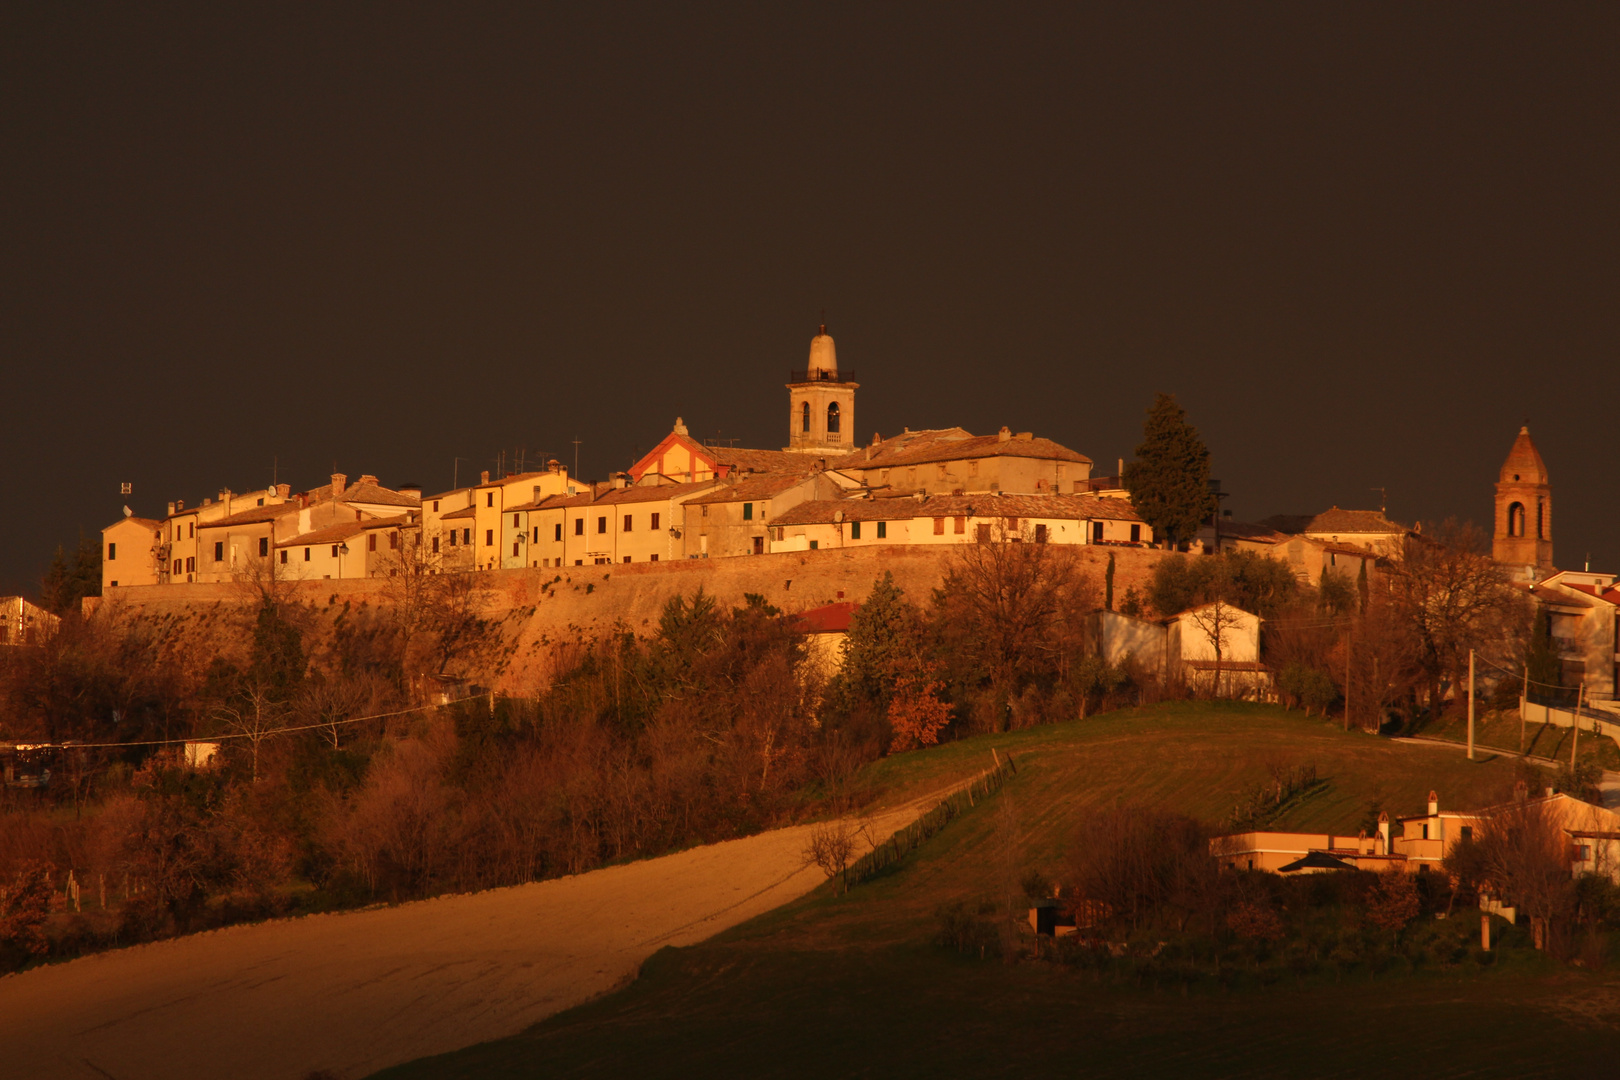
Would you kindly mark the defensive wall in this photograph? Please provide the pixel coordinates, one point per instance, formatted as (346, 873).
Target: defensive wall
(539, 608)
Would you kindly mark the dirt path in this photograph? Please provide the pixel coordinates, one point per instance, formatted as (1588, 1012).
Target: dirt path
(355, 992)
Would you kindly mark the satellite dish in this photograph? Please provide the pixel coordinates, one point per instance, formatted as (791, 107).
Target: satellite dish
(128, 512)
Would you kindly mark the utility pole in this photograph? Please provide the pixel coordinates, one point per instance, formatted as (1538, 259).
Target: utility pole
(1575, 743)
(1349, 642)
(1524, 702)
(576, 457)
(1470, 704)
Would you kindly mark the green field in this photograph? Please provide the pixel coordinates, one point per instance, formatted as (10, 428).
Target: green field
(851, 985)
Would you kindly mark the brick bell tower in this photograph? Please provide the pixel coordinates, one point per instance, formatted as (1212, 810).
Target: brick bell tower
(821, 402)
(1522, 539)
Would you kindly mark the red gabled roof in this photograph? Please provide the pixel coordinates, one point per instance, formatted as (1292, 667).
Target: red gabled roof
(828, 619)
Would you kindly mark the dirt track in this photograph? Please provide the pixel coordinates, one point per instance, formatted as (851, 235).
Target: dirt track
(353, 993)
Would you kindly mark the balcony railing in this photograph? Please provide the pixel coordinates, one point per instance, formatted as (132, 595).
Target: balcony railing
(821, 376)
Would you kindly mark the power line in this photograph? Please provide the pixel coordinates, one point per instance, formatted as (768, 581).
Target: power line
(232, 735)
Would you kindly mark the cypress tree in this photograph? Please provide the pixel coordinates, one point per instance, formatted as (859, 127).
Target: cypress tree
(1169, 480)
(1108, 580)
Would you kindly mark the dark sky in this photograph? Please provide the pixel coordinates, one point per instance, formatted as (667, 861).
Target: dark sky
(1362, 245)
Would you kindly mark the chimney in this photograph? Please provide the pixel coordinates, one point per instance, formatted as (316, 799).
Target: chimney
(1434, 804)
(339, 483)
(483, 477)
(413, 490)
(1004, 435)
(1383, 833)
(1026, 436)
(179, 504)
(225, 497)
(367, 478)
(171, 509)
(680, 426)
(283, 491)
(619, 480)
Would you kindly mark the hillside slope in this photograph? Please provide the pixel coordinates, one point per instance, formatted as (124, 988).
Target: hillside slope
(853, 985)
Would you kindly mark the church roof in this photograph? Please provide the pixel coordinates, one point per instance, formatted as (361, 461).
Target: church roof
(1353, 522)
(1524, 464)
(954, 444)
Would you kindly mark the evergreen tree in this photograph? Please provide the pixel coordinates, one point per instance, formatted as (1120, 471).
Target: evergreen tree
(1169, 480)
(70, 578)
(1108, 584)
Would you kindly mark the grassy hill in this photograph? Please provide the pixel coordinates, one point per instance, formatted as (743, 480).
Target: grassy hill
(851, 985)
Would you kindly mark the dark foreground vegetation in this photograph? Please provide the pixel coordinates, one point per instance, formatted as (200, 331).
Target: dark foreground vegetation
(929, 968)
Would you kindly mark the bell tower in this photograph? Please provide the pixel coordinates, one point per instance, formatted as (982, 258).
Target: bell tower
(1522, 538)
(821, 402)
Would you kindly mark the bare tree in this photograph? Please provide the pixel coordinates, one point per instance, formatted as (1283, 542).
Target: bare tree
(1453, 598)
(1524, 855)
(1217, 620)
(255, 714)
(833, 847)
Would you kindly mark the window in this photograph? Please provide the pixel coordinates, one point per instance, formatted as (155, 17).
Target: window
(759, 545)
(1012, 526)
(748, 511)
(113, 584)
(627, 523)
(371, 542)
(1425, 832)
(283, 559)
(601, 524)
(393, 541)
(579, 526)
(1040, 534)
(815, 545)
(981, 533)
(264, 546)
(961, 526)
(112, 552)
(435, 506)
(536, 538)
(804, 417)
(854, 530)
(489, 537)
(832, 418)
(452, 538)
(219, 551)
(466, 536)
(1136, 534)
(1096, 532)
(705, 510)
(306, 554)
(177, 562)
(939, 526)
(883, 529)
(579, 562)
(556, 533)
(627, 558)
(1467, 832)
(191, 564)
(654, 525)
(191, 529)
(435, 545)
(514, 549)
(517, 521)
(489, 498)
(334, 551)
(654, 558)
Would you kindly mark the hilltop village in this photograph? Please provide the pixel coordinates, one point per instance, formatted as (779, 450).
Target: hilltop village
(686, 500)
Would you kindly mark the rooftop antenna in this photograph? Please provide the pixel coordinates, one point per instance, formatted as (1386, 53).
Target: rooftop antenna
(455, 472)
(575, 473)
(1588, 562)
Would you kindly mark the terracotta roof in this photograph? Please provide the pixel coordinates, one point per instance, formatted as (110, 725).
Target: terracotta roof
(654, 492)
(252, 516)
(464, 512)
(1243, 530)
(755, 488)
(445, 494)
(762, 461)
(1552, 596)
(147, 522)
(332, 534)
(363, 492)
(1289, 524)
(399, 521)
(829, 619)
(1352, 521)
(953, 447)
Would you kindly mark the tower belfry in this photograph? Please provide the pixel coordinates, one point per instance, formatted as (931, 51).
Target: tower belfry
(821, 402)
(1522, 537)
